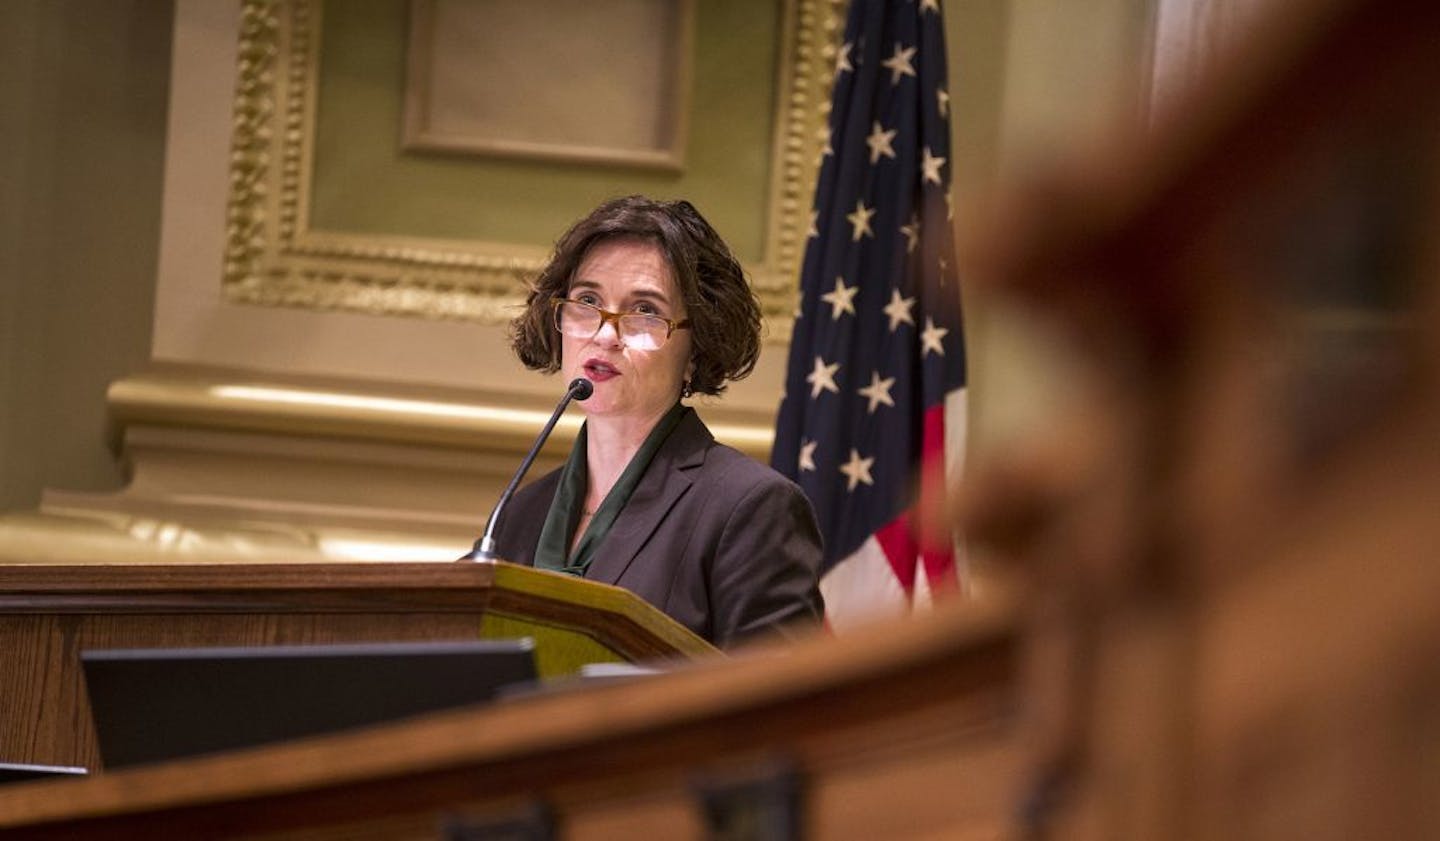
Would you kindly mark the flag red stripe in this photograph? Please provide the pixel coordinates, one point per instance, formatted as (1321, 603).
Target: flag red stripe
(897, 541)
(937, 550)
(910, 541)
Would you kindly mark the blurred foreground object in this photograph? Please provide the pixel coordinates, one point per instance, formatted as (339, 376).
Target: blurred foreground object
(1232, 548)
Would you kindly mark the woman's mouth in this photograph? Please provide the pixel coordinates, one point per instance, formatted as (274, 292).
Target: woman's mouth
(598, 370)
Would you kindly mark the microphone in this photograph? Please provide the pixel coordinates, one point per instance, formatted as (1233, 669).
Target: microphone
(484, 548)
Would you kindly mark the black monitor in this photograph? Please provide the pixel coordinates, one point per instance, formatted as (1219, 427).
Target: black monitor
(157, 704)
(15, 772)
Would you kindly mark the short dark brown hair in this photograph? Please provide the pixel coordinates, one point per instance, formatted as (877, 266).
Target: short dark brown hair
(724, 313)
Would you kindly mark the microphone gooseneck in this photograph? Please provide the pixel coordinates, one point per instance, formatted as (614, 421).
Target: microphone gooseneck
(484, 548)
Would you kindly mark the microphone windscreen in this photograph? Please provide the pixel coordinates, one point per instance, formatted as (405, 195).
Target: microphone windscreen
(582, 388)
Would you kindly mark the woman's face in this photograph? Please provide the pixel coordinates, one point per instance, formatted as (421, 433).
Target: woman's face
(627, 276)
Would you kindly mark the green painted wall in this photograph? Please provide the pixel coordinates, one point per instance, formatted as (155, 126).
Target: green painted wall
(82, 136)
(364, 183)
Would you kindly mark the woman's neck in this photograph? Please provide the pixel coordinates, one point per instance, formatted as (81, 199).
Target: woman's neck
(611, 442)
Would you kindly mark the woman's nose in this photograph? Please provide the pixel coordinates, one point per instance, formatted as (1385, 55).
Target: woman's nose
(608, 334)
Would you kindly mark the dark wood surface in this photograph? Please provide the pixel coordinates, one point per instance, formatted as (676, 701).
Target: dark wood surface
(910, 728)
(49, 614)
(1233, 537)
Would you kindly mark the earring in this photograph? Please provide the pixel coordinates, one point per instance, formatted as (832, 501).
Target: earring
(686, 390)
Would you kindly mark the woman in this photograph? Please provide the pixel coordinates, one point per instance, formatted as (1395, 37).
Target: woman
(644, 299)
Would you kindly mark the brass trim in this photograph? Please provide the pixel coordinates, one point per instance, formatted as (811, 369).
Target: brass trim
(272, 257)
(473, 421)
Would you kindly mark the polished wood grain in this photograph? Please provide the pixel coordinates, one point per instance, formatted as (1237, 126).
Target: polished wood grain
(49, 614)
(909, 728)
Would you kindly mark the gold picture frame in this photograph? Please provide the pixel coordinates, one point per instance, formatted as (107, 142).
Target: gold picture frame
(274, 257)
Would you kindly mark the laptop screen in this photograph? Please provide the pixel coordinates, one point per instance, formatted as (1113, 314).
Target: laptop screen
(156, 704)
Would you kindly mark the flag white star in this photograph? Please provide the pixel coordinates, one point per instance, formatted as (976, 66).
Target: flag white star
(930, 166)
(807, 454)
(930, 338)
(899, 310)
(857, 470)
(860, 220)
(878, 391)
(912, 234)
(879, 142)
(899, 63)
(822, 378)
(942, 102)
(842, 58)
(842, 299)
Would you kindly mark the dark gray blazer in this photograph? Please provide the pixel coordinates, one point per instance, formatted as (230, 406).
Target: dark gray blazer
(723, 544)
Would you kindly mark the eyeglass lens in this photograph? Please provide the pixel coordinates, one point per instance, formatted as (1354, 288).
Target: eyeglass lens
(637, 331)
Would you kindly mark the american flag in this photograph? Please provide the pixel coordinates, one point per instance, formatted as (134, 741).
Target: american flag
(877, 344)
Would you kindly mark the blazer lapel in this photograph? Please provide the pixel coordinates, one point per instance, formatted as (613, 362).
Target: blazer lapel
(664, 483)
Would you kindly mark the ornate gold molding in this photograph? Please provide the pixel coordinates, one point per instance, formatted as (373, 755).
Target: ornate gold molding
(272, 257)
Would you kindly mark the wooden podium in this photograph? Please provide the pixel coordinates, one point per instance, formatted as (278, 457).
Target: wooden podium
(48, 614)
(907, 731)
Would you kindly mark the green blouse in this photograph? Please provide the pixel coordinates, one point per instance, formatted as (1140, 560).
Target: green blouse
(564, 515)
